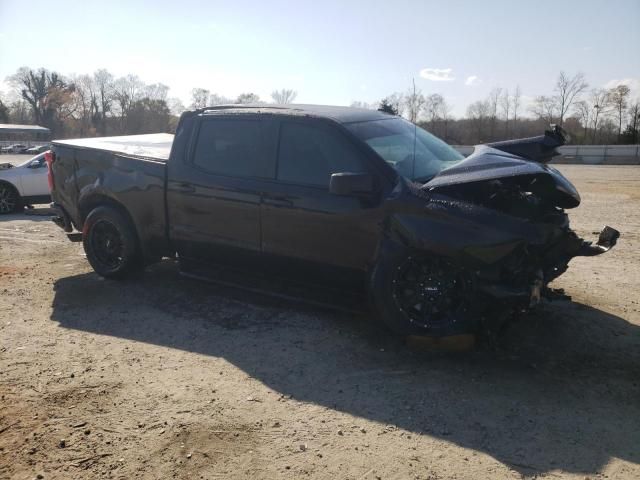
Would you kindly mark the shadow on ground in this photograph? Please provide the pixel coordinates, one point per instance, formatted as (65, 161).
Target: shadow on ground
(560, 394)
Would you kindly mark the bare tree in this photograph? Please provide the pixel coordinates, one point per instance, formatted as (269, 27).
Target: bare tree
(176, 107)
(365, 105)
(568, 89)
(505, 104)
(284, 96)
(600, 103)
(216, 99)
(104, 92)
(544, 108)
(248, 98)
(84, 98)
(493, 100)
(618, 97)
(478, 112)
(126, 92)
(438, 114)
(156, 91)
(433, 107)
(4, 112)
(583, 111)
(414, 102)
(199, 98)
(517, 94)
(634, 117)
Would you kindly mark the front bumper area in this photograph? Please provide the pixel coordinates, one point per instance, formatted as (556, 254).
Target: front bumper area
(522, 279)
(606, 241)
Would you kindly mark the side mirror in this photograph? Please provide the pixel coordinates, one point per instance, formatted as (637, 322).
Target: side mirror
(347, 183)
(36, 164)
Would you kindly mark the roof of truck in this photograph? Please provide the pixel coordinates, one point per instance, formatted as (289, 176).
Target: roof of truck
(157, 146)
(335, 113)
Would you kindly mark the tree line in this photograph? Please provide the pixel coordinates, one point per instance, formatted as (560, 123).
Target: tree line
(101, 104)
(591, 116)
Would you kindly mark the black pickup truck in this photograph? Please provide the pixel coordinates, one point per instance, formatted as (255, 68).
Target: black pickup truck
(357, 202)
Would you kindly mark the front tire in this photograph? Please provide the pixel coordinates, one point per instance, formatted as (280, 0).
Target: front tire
(422, 294)
(9, 199)
(110, 243)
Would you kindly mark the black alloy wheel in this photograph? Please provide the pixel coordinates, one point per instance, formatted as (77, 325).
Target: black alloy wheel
(432, 293)
(107, 244)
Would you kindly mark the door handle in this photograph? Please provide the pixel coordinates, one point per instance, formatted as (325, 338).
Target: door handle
(184, 187)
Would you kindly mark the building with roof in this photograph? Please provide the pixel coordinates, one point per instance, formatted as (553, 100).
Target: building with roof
(10, 132)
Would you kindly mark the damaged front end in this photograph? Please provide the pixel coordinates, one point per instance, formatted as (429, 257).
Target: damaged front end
(500, 215)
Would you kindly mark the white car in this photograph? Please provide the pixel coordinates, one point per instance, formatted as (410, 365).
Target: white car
(23, 184)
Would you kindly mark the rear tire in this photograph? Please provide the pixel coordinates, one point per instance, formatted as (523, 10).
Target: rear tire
(110, 243)
(9, 199)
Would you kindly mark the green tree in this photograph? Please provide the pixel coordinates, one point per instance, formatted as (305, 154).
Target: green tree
(387, 107)
(148, 115)
(248, 98)
(47, 93)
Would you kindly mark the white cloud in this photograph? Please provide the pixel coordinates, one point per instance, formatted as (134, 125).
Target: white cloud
(632, 83)
(437, 74)
(472, 80)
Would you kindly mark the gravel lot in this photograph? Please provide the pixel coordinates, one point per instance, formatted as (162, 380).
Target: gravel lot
(165, 377)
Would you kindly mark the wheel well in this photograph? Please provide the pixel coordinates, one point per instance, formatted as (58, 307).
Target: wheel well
(11, 186)
(96, 201)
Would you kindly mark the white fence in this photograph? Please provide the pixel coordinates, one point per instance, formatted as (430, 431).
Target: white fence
(588, 154)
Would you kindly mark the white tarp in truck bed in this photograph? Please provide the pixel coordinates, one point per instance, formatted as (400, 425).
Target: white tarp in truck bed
(155, 146)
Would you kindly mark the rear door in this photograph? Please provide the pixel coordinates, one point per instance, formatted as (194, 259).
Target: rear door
(213, 194)
(301, 220)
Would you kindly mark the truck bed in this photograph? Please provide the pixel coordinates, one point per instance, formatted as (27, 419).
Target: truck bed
(129, 171)
(154, 146)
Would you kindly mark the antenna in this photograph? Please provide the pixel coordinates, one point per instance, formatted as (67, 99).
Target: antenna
(415, 130)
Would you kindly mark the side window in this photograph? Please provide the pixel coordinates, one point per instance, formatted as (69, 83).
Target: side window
(232, 147)
(310, 154)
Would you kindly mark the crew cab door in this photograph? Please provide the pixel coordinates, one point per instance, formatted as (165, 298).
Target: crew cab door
(214, 190)
(301, 220)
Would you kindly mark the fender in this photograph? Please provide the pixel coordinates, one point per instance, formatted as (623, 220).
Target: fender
(466, 233)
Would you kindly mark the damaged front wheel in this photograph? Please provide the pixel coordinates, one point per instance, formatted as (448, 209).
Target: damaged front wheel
(423, 295)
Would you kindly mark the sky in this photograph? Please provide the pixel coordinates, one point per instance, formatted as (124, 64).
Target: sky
(330, 51)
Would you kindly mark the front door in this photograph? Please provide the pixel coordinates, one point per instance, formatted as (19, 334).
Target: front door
(301, 220)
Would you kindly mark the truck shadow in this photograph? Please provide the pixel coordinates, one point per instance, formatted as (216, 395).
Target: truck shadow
(560, 394)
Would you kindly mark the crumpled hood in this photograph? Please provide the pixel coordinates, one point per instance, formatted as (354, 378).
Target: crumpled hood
(487, 163)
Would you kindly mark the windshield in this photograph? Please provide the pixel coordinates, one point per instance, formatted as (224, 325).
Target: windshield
(396, 140)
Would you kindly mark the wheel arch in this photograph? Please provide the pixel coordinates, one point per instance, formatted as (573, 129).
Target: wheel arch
(7, 183)
(90, 203)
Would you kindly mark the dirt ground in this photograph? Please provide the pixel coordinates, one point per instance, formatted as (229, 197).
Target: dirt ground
(165, 377)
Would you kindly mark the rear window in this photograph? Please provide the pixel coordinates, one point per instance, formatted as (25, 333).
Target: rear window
(232, 147)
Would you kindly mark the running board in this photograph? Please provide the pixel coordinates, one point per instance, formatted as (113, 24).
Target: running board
(277, 287)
